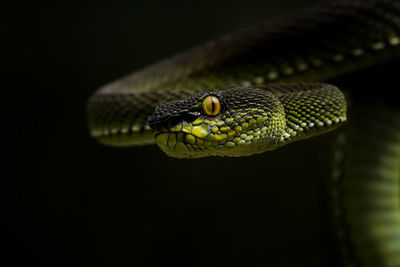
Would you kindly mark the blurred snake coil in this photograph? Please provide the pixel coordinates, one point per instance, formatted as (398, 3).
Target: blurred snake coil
(260, 88)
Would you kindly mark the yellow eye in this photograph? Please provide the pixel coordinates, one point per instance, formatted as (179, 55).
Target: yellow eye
(211, 106)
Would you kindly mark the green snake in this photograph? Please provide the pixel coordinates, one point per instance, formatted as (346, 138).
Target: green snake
(260, 88)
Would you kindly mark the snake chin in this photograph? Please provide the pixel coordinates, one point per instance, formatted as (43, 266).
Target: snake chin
(204, 138)
(183, 145)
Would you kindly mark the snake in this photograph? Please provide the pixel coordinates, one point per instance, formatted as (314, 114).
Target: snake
(265, 86)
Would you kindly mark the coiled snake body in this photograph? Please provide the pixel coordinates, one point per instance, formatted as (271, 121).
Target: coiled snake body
(227, 98)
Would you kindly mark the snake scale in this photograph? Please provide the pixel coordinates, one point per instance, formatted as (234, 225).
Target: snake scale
(260, 88)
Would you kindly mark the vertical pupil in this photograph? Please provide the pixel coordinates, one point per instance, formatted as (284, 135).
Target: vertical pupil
(212, 106)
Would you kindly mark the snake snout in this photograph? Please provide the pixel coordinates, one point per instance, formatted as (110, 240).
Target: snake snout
(167, 115)
(155, 120)
(170, 120)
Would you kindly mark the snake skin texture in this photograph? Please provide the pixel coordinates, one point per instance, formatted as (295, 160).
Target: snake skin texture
(316, 44)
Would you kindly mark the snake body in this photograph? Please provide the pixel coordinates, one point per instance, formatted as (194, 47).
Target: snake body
(245, 71)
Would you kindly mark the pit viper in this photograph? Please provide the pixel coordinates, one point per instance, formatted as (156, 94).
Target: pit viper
(263, 87)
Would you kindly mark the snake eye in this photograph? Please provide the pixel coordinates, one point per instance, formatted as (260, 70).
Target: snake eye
(211, 106)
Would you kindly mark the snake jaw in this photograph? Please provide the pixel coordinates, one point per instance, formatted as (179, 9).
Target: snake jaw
(216, 138)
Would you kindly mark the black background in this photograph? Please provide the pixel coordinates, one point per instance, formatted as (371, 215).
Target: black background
(71, 201)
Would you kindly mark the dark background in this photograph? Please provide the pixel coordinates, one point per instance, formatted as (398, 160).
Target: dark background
(71, 201)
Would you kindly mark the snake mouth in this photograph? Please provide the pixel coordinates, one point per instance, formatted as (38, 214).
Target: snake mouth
(184, 145)
(194, 140)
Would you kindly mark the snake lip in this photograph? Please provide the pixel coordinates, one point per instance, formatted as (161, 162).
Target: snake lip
(166, 132)
(169, 121)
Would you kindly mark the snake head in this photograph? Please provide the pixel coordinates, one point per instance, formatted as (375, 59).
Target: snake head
(229, 122)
